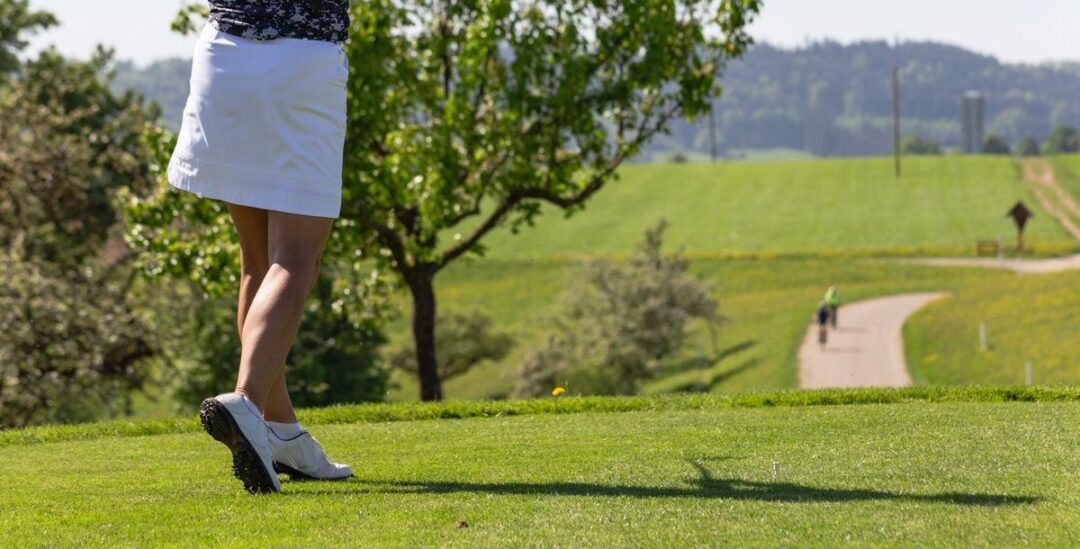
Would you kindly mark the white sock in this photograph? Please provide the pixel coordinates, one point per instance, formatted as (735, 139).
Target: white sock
(286, 431)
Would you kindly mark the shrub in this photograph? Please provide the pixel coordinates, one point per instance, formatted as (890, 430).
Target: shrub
(1027, 146)
(918, 146)
(995, 144)
(619, 322)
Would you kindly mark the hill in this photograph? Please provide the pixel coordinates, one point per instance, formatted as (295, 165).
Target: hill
(946, 468)
(850, 206)
(825, 98)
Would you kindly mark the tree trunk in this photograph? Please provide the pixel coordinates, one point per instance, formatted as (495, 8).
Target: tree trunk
(422, 285)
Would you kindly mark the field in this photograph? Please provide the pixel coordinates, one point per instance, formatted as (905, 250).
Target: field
(768, 295)
(947, 471)
(941, 206)
(1028, 318)
(1067, 170)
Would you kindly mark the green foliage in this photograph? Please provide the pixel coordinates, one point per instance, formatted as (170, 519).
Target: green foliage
(181, 238)
(619, 323)
(485, 110)
(188, 18)
(465, 340)
(69, 146)
(831, 99)
(995, 144)
(71, 343)
(919, 146)
(1064, 139)
(70, 346)
(16, 21)
(1027, 146)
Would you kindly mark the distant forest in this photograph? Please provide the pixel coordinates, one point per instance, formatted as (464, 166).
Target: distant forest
(825, 99)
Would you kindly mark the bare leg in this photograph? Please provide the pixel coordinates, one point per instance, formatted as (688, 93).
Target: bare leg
(251, 225)
(294, 246)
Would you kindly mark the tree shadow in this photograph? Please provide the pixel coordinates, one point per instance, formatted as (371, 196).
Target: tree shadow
(706, 486)
(700, 362)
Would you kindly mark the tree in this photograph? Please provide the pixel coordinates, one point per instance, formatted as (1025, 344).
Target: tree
(71, 342)
(467, 340)
(465, 117)
(918, 146)
(17, 21)
(1063, 139)
(1027, 146)
(485, 112)
(995, 144)
(618, 323)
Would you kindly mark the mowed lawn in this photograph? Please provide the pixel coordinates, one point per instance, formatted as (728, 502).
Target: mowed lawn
(941, 205)
(917, 473)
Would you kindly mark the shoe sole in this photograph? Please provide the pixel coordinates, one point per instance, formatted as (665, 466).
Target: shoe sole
(295, 475)
(247, 466)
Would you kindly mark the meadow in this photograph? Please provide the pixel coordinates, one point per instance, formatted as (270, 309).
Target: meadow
(941, 206)
(928, 468)
(767, 289)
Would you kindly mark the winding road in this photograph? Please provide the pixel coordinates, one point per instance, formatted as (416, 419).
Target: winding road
(866, 349)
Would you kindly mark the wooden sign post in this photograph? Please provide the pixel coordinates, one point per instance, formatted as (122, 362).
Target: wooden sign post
(1020, 215)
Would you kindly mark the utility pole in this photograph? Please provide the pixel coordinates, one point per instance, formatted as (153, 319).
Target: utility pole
(712, 131)
(896, 116)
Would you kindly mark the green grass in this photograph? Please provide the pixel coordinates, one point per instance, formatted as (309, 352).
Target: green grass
(768, 304)
(771, 237)
(941, 206)
(1028, 318)
(1067, 172)
(911, 473)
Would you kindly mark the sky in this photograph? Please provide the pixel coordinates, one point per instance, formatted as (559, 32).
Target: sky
(1030, 31)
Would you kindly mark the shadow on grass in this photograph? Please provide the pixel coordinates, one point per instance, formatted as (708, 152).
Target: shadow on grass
(698, 386)
(704, 487)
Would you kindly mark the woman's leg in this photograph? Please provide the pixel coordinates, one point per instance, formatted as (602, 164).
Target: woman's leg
(251, 225)
(294, 247)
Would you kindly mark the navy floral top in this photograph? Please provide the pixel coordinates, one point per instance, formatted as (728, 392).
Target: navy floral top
(324, 20)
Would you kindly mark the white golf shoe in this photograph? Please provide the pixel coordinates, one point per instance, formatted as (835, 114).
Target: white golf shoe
(234, 423)
(303, 458)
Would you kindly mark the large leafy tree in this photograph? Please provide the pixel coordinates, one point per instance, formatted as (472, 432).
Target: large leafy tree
(469, 115)
(620, 323)
(71, 343)
(17, 20)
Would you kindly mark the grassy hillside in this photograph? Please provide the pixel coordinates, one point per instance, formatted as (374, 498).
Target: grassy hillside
(768, 304)
(1067, 171)
(819, 217)
(1028, 318)
(700, 474)
(941, 205)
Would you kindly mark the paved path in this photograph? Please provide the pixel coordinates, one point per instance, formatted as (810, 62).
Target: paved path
(867, 348)
(1054, 265)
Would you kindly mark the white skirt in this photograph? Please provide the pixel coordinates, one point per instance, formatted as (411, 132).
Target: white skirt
(264, 125)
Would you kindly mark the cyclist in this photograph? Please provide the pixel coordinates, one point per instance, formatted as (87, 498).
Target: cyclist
(832, 299)
(822, 316)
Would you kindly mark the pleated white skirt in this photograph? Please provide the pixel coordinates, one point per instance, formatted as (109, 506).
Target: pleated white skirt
(264, 125)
